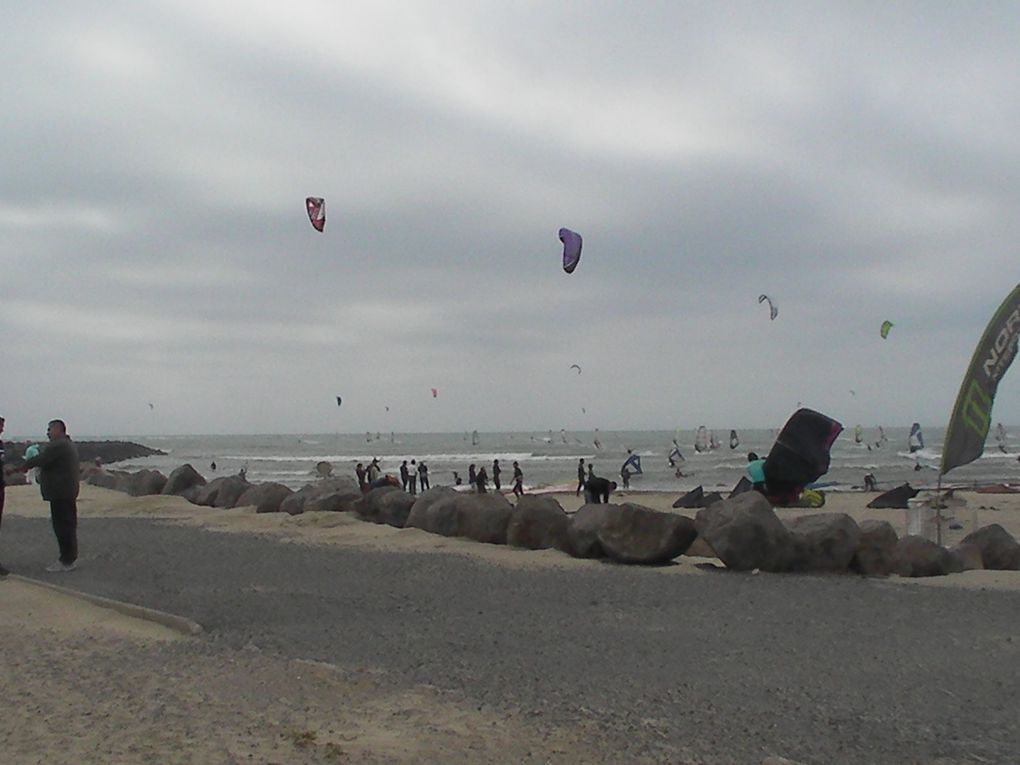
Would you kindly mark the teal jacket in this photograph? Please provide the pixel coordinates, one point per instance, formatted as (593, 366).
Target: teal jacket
(756, 471)
(58, 470)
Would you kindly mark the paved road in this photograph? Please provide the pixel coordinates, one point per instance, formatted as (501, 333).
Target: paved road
(725, 668)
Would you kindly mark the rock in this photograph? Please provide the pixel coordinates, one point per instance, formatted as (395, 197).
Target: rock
(692, 499)
(386, 504)
(999, 551)
(917, 556)
(746, 534)
(231, 490)
(207, 493)
(182, 478)
(484, 517)
(435, 511)
(583, 532)
(14, 477)
(876, 549)
(145, 483)
(98, 477)
(538, 523)
(264, 497)
(481, 517)
(966, 556)
(331, 494)
(641, 535)
(700, 549)
(823, 542)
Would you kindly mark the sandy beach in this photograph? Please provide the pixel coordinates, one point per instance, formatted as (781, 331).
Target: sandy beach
(94, 687)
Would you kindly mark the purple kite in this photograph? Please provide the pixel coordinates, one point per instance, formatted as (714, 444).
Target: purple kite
(571, 249)
(316, 212)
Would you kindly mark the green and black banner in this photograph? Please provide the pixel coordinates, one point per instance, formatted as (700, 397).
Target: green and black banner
(972, 414)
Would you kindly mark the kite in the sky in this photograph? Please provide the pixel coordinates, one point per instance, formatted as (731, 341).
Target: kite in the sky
(575, 366)
(151, 406)
(338, 400)
(316, 212)
(435, 393)
(886, 326)
(773, 311)
(571, 249)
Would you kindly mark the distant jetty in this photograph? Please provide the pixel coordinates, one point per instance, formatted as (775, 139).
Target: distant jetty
(108, 452)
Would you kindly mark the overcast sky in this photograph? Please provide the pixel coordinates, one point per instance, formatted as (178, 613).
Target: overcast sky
(856, 161)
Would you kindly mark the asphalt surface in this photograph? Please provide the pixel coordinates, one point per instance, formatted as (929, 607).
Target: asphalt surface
(723, 668)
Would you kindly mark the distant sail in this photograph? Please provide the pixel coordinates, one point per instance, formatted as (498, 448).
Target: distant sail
(633, 461)
(915, 441)
(858, 434)
(701, 439)
(734, 439)
(884, 329)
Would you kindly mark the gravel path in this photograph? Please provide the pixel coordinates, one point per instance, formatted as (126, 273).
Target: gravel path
(723, 668)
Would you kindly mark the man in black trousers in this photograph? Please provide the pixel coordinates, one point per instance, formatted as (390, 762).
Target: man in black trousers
(58, 482)
(3, 572)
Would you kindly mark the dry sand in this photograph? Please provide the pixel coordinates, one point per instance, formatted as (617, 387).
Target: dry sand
(83, 684)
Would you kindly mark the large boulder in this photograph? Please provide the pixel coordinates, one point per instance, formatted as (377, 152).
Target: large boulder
(641, 535)
(484, 517)
(876, 550)
(331, 494)
(746, 534)
(481, 517)
(583, 532)
(823, 542)
(96, 476)
(145, 483)
(231, 490)
(264, 497)
(966, 556)
(387, 504)
(435, 511)
(207, 493)
(999, 551)
(538, 523)
(181, 479)
(918, 556)
(700, 549)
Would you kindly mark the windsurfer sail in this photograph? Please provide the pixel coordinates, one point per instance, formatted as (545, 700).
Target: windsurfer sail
(701, 439)
(633, 461)
(915, 442)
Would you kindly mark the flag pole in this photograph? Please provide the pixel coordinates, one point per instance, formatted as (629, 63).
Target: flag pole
(938, 511)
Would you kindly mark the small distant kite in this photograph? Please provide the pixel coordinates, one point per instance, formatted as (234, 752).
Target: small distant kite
(338, 401)
(886, 326)
(773, 311)
(577, 367)
(571, 249)
(151, 406)
(316, 212)
(387, 409)
(583, 410)
(435, 393)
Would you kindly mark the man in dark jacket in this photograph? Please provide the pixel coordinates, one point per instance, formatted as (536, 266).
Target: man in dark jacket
(599, 489)
(58, 482)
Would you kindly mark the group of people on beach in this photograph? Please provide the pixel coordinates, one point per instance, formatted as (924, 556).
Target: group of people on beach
(58, 479)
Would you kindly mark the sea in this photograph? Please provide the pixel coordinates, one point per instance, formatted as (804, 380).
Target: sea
(549, 459)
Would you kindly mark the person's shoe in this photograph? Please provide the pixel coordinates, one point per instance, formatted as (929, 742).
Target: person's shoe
(58, 567)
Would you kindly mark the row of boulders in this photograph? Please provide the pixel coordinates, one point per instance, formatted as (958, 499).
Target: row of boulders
(743, 531)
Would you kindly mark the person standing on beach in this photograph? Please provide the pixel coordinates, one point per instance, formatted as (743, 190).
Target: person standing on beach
(403, 475)
(423, 476)
(359, 471)
(518, 480)
(58, 483)
(412, 478)
(580, 477)
(373, 470)
(495, 475)
(481, 479)
(3, 486)
(472, 477)
(625, 475)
